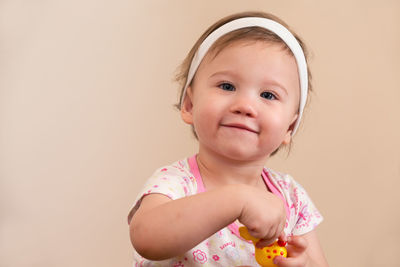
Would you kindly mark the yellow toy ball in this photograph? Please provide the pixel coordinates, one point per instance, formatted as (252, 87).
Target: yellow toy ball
(264, 256)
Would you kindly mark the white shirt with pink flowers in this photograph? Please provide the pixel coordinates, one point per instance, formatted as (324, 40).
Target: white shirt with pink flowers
(226, 247)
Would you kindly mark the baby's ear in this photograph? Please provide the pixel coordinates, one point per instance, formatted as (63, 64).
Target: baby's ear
(187, 107)
(288, 136)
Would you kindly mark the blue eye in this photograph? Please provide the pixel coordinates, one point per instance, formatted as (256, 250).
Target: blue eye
(268, 95)
(226, 87)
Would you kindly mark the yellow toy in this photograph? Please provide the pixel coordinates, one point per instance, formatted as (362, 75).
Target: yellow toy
(265, 256)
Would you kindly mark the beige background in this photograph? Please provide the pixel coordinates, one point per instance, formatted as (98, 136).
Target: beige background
(86, 116)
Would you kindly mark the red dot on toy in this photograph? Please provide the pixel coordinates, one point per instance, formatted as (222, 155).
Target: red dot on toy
(269, 257)
(275, 251)
(282, 253)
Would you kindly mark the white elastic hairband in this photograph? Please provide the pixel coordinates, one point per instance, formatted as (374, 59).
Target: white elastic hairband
(268, 24)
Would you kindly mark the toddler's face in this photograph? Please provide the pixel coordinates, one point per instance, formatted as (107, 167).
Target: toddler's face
(243, 101)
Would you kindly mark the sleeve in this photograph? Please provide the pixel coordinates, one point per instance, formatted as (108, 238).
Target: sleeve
(171, 181)
(307, 216)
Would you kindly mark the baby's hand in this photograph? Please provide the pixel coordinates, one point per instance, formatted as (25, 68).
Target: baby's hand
(297, 255)
(263, 214)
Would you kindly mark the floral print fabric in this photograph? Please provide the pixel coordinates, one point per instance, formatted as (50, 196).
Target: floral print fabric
(226, 247)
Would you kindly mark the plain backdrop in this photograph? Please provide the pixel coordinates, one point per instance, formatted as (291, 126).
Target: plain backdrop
(86, 115)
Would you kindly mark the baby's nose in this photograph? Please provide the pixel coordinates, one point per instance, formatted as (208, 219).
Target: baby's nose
(244, 106)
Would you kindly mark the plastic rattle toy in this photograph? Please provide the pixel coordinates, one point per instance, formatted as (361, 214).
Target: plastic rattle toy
(265, 256)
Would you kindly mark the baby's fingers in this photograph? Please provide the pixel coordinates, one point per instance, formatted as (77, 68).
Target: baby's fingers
(264, 242)
(290, 262)
(297, 256)
(296, 245)
(282, 240)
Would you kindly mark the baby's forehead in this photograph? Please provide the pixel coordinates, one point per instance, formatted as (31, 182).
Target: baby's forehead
(222, 48)
(224, 43)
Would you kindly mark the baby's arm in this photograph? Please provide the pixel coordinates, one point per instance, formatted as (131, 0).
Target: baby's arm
(163, 228)
(314, 250)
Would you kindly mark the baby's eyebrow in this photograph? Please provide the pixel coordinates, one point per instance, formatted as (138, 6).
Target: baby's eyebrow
(224, 72)
(276, 83)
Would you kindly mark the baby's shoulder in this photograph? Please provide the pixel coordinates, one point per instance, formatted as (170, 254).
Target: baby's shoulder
(176, 170)
(290, 189)
(304, 216)
(283, 181)
(177, 175)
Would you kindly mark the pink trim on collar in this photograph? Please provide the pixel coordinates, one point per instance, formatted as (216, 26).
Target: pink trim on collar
(275, 191)
(195, 170)
(200, 189)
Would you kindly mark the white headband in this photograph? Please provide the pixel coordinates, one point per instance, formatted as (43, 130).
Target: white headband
(268, 24)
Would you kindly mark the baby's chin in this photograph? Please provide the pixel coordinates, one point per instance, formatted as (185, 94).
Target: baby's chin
(243, 155)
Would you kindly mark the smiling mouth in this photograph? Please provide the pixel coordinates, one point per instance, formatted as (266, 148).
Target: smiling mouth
(240, 127)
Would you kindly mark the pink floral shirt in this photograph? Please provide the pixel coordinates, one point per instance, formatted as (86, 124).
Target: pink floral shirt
(226, 247)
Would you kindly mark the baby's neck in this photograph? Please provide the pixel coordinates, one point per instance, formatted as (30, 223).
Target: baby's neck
(218, 171)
